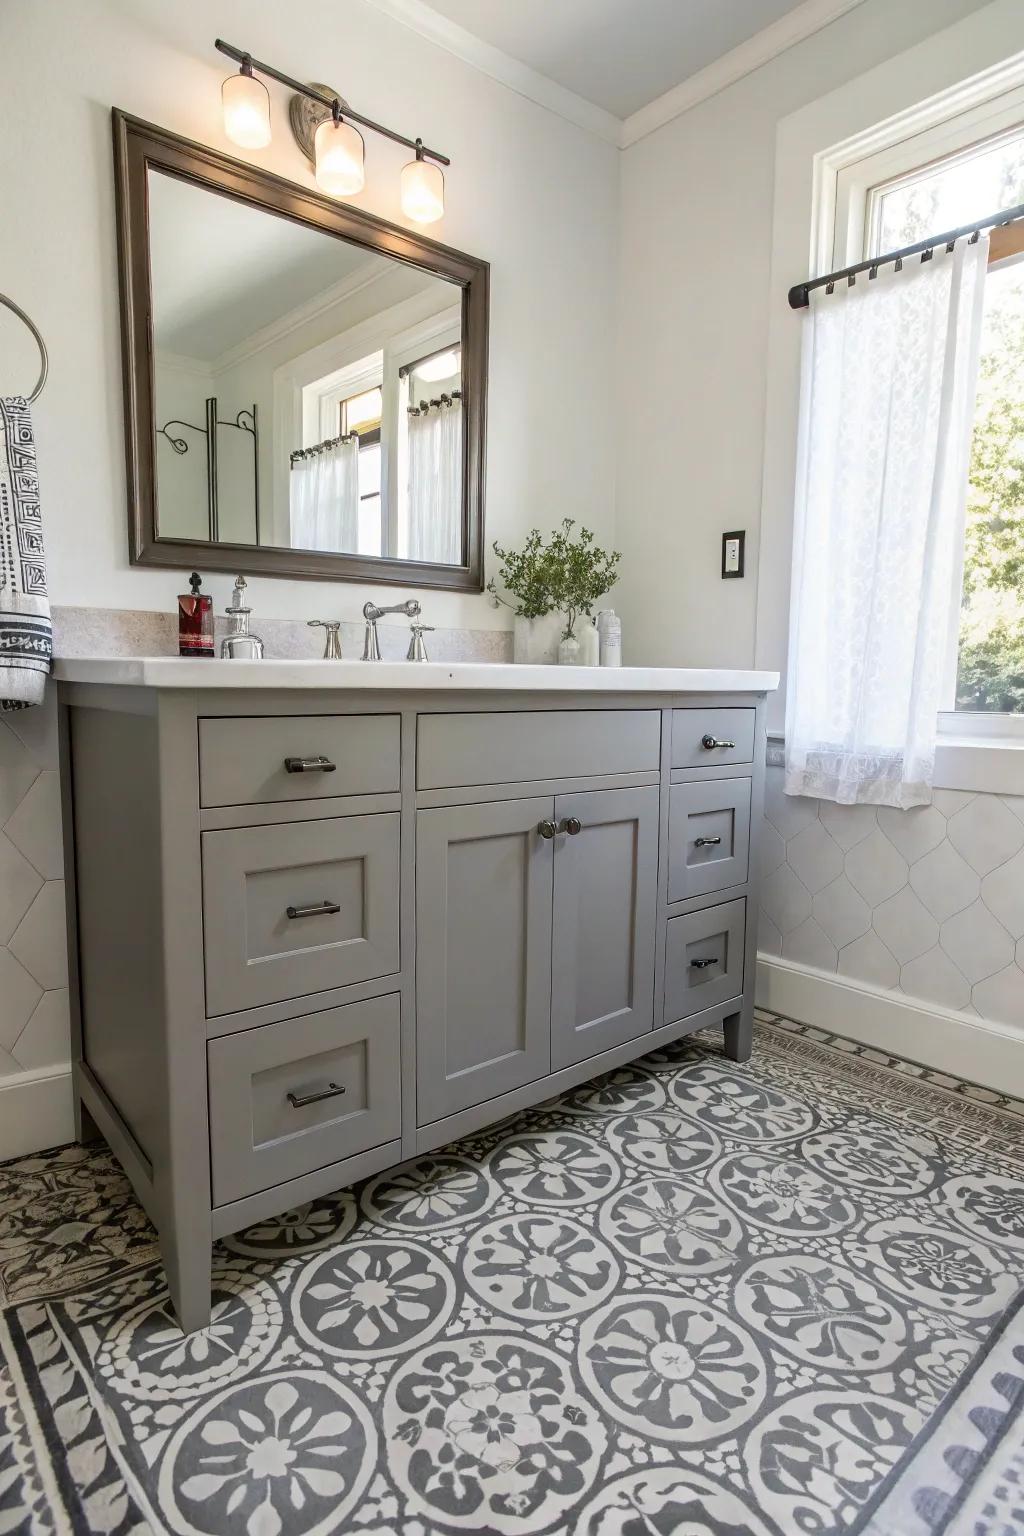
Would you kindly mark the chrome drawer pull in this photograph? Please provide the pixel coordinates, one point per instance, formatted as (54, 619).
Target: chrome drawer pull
(699, 965)
(319, 764)
(572, 825)
(300, 1100)
(547, 830)
(706, 842)
(710, 742)
(318, 909)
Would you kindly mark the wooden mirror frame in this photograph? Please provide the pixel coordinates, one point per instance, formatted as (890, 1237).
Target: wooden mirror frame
(139, 146)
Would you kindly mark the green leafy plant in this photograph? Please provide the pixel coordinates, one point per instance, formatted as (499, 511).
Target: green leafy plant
(568, 574)
(524, 575)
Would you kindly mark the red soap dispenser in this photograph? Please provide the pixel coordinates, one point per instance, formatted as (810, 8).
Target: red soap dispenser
(195, 620)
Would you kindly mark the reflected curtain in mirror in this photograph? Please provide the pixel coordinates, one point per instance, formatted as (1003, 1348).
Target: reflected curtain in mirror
(324, 497)
(435, 479)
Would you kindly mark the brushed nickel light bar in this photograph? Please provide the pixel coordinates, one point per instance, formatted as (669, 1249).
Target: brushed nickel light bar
(337, 147)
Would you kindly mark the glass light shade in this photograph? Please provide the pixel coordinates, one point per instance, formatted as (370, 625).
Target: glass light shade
(422, 191)
(339, 158)
(246, 111)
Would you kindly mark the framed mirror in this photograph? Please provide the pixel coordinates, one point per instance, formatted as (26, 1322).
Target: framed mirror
(305, 384)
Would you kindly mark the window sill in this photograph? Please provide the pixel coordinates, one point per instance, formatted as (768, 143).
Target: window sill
(984, 763)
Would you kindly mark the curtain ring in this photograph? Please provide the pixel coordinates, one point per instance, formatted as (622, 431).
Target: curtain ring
(851, 280)
(898, 264)
(873, 274)
(926, 256)
(40, 343)
(830, 287)
(974, 238)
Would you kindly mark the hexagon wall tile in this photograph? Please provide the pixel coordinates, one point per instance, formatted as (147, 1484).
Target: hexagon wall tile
(34, 1030)
(875, 869)
(929, 904)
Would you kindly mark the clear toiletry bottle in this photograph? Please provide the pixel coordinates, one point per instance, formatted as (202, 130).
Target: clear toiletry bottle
(609, 628)
(195, 620)
(590, 643)
(238, 644)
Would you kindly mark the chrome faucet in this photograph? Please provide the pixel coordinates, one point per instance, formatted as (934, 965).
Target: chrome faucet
(371, 613)
(332, 643)
(417, 650)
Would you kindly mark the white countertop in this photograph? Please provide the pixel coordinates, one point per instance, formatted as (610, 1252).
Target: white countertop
(426, 676)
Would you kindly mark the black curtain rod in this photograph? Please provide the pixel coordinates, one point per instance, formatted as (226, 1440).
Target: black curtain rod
(799, 297)
(241, 57)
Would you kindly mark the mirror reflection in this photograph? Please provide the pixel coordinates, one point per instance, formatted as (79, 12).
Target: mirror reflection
(308, 391)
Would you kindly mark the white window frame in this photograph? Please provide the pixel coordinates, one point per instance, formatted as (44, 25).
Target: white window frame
(976, 751)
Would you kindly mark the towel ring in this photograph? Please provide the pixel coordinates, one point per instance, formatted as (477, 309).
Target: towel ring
(40, 343)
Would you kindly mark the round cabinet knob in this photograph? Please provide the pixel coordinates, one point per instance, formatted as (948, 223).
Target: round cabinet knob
(547, 829)
(572, 825)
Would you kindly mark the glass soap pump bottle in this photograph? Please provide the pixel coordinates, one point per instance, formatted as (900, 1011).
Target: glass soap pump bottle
(238, 644)
(195, 620)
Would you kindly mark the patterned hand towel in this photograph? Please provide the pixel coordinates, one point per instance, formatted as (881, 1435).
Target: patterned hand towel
(26, 634)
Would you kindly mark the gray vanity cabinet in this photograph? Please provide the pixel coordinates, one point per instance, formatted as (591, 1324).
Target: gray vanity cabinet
(320, 928)
(483, 952)
(606, 867)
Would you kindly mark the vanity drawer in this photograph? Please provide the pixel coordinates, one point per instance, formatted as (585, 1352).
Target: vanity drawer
(696, 732)
(246, 762)
(704, 959)
(292, 1097)
(456, 751)
(709, 836)
(298, 908)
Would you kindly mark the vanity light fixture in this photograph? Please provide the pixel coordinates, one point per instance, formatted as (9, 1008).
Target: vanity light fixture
(422, 189)
(246, 103)
(336, 147)
(339, 156)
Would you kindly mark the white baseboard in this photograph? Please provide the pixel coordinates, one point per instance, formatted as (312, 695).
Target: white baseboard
(971, 1048)
(36, 1112)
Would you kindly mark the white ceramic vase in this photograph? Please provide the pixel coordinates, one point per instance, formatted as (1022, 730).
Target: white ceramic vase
(535, 641)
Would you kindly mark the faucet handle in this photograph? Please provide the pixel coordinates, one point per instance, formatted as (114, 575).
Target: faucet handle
(332, 641)
(417, 650)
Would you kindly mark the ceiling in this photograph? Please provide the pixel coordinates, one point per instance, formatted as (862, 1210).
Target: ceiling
(618, 54)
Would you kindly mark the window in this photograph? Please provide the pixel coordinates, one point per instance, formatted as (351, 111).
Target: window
(362, 413)
(943, 194)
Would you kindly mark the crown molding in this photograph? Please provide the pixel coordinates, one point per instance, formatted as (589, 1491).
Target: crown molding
(800, 23)
(500, 66)
(364, 276)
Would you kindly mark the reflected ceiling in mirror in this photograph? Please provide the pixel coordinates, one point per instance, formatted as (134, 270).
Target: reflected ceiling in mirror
(315, 394)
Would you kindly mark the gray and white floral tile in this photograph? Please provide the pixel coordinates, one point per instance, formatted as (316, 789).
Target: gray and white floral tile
(689, 1297)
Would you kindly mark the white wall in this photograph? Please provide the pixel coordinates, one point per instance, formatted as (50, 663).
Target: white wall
(532, 194)
(924, 909)
(696, 241)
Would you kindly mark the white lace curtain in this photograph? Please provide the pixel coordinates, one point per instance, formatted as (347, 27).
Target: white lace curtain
(324, 499)
(889, 374)
(435, 483)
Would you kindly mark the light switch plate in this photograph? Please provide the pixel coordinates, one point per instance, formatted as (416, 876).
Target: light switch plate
(733, 548)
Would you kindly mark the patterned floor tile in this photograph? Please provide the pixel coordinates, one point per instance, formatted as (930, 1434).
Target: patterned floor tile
(689, 1297)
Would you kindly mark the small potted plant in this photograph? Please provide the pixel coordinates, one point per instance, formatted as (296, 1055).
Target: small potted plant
(565, 575)
(524, 577)
(580, 572)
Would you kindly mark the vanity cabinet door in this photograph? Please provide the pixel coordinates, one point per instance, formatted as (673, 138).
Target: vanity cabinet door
(606, 881)
(483, 952)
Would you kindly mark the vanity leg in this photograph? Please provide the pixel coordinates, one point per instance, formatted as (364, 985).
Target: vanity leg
(87, 1132)
(739, 1034)
(187, 1263)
